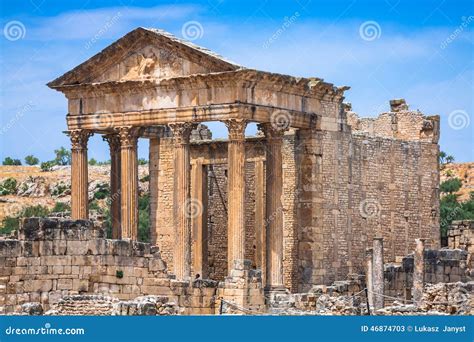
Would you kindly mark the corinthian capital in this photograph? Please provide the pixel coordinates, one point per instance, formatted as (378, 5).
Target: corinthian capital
(271, 130)
(79, 138)
(236, 128)
(181, 131)
(128, 136)
(113, 140)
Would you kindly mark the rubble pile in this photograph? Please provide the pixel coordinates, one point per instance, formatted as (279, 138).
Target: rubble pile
(146, 306)
(451, 298)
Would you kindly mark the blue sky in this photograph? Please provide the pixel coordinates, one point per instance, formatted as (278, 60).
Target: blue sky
(418, 50)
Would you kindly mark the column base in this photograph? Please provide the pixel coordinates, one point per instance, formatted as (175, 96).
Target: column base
(242, 292)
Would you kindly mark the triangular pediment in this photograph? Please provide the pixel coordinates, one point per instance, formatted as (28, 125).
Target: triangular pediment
(145, 54)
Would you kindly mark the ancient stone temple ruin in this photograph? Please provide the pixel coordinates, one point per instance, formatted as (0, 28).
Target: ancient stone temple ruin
(293, 207)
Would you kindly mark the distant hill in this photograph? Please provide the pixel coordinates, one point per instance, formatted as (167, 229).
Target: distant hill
(463, 171)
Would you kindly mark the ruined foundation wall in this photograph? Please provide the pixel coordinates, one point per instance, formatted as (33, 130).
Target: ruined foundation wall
(441, 266)
(53, 258)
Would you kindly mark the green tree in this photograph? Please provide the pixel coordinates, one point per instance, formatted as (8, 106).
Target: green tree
(63, 156)
(142, 161)
(441, 157)
(449, 159)
(144, 218)
(10, 161)
(450, 186)
(92, 162)
(31, 160)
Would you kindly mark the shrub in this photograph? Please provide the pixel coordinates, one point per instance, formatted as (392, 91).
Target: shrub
(10, 161)
(102, 192)
(11, 223)
(60, 189)
(8, 187)
(92, 162)
(47, 165)
(60, 207)
(142, 161)
(31, 160)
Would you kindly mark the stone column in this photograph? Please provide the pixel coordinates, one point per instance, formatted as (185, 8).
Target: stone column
(369, 254)
(199, 218)
(377, 274)
(114, 146)
(129, 182)
(274, 207)
(79, 174)
(181, 200)
(236, 193)
(260, 249)
(419, 271)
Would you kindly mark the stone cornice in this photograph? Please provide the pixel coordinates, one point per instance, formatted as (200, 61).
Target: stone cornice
(244, 78)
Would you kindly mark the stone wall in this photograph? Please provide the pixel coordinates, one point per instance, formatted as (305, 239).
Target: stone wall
(55, 258)
(361, 186)
(461, 235)
(441, 266)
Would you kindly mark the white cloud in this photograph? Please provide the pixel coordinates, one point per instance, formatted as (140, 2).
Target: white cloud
(87, 23)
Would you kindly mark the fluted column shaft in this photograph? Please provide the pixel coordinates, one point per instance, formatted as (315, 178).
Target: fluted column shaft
(115, 165)
(236, 192)
(181, 200)
(274, 207)
(79, 174)
(129, 182)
